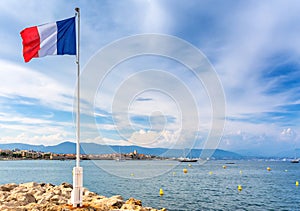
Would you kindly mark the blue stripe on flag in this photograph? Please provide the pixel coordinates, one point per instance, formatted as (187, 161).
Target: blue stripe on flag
(66, 37)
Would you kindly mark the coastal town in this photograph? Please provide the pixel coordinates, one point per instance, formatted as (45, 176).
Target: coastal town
(17, 154)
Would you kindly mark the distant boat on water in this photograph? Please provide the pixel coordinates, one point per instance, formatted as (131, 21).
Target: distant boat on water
(295, 161)
(120, 158)
(187, 160)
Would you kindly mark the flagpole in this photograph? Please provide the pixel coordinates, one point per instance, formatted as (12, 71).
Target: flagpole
(77, 192)
(78, 91)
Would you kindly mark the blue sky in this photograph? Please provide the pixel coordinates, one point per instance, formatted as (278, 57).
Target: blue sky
(254, 47)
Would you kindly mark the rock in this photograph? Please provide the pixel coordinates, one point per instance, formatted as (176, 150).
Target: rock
(113, 202)
(38, 193)
(47, 197)
(23, 198)
(57, 192)
(66, 185)
(8, 187)
(89, 194)
(29, 185)
(42, 200)
(129, 207)
(134, 202)
(3, 196)
(19, 189)
(48, 186)
(4, 208)
(119, 197)
(66, 192)
(136, 208)
(55, 198)
(11, 197)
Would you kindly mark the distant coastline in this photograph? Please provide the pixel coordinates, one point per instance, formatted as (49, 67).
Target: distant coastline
(66, 151)
(18, 154)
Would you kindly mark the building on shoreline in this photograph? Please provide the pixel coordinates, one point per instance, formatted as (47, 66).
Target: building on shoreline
(18, 154)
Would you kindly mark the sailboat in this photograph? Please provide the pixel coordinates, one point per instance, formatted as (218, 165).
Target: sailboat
(119, 159)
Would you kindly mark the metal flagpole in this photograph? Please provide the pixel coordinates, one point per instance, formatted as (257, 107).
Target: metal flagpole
(77, 192)
(78, 91)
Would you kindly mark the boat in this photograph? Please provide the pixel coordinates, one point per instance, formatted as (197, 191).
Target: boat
(120, 158)
(187, 160)
(295, 161)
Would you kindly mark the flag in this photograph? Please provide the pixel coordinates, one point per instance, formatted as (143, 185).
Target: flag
(56, 38)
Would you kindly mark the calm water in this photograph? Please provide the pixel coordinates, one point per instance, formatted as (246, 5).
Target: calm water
(196, 190)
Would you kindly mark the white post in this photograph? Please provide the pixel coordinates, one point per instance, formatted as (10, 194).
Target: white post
(77, 192)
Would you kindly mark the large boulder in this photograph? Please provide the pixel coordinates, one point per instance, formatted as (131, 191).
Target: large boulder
(114, 202)
(29, 185)
(8, 187)
(134, 202)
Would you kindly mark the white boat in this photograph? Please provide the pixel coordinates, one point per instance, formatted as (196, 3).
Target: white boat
(295, 161)
(187, 160)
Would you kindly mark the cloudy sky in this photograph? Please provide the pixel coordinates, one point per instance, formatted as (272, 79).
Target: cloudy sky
(253, 47)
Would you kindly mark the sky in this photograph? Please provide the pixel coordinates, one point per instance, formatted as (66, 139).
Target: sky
(252, 47)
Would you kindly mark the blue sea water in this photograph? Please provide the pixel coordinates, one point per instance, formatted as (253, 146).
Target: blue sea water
(204, 187)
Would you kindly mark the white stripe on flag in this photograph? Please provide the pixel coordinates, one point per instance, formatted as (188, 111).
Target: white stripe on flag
(48, 39)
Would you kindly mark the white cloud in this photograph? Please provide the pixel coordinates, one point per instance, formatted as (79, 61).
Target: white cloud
(165, 138)
(288, 134)
(49, 139)
(19, 81)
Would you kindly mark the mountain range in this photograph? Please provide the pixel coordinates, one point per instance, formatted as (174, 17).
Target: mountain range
(93, 148)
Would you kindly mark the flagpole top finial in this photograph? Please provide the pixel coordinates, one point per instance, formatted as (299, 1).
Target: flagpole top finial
(77, 9)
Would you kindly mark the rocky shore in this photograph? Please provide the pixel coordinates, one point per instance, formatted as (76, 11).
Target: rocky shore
(48, 197)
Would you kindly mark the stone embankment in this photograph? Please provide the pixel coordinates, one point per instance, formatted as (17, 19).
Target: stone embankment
(48, 197)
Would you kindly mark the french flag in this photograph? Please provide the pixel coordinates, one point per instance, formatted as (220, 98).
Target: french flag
(56, 38)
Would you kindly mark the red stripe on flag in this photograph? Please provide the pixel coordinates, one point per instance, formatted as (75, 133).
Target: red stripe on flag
(31, 43)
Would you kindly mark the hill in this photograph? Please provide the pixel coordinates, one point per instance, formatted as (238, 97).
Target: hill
(93, 148)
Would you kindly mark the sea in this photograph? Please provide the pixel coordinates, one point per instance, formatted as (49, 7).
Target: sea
(212, 185)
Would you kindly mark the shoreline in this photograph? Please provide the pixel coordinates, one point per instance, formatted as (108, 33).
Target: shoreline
(48, 197)
(20, 159)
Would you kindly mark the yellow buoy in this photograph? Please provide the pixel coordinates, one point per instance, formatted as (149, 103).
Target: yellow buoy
(269, 169)
(185, 171)
(210, 173)
(161, 192)
(132, 174)
(241, 172)
(224, 167)
(297, 183)
(190, 165)
(240, 188)
(174, 173)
